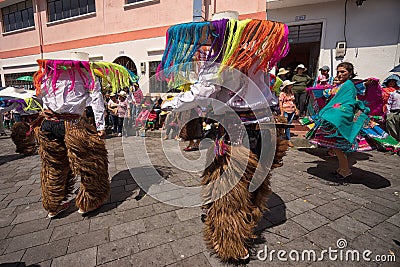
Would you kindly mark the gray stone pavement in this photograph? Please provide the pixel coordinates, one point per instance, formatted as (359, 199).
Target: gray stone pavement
(308, 211)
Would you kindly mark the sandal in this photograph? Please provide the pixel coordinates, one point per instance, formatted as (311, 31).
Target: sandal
(341, 176)
(189, 148)
(60, 209)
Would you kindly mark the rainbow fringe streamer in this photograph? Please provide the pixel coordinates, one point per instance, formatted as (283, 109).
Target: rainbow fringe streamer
(117, 76)
(183, 41)
(234, 43)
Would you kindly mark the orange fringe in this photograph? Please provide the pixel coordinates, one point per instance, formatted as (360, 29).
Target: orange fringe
(259, 41)
(37, 77)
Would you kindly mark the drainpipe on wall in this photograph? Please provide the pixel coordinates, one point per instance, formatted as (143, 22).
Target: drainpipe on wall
(197, 9)
(39, 15)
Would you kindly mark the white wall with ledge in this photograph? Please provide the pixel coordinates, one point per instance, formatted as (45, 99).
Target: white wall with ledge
(372, 31)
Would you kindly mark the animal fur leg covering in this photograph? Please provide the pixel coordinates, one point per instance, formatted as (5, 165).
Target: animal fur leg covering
(56, 175)
(88, 157)
(230, 219)
(24, 144)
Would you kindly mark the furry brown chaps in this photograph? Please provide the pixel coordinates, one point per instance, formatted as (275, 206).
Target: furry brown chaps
(24, 144)
(232, 211)
(82, 153)
(88, 158)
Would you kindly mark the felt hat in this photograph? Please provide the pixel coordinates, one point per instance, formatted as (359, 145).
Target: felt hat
(282, 71)
(286, 83)
(300, 66)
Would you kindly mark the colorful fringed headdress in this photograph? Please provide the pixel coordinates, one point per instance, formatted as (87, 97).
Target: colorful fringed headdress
(115, 75)
(232, 43)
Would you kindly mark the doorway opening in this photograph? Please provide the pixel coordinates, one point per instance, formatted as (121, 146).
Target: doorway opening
(126, 62)
(305, 43)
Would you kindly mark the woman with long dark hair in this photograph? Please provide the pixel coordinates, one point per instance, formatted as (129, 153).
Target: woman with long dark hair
(341, 120)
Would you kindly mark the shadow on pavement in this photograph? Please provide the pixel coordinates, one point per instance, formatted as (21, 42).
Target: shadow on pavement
(325, 168)
(9, 158)
(274, 216)
(164, 171)
(122, 186)
(18, 264)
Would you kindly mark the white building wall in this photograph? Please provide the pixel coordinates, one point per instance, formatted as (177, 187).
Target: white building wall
(372, 32)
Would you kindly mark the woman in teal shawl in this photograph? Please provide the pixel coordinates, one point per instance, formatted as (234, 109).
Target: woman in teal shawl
(341, 120)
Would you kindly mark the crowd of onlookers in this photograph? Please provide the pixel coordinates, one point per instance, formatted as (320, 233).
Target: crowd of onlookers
(294, 98)
(8, 119)
(129, 112)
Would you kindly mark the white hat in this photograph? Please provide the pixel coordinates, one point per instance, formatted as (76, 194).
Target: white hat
(20, 93)
(122, 93)
(282, 71)
(286, 83)
(301, 66)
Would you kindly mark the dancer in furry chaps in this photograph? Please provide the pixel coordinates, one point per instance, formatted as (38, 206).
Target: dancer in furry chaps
(68, 146)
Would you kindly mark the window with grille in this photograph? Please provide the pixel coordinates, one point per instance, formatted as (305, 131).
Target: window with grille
(134, 1)
(17, 16)
(156, 85)
(306, 33)
(63, 9)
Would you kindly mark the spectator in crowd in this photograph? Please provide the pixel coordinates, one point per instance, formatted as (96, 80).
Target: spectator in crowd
(324, 78)
(16, 115)
(137, 100)
(282, 74)
(7, 120)
(171, 124)
(157, 110)
(289, 74)
(389, 85)
(113, 108)
(287, 107)
(393, 114)
(122, 111)
(301, 81)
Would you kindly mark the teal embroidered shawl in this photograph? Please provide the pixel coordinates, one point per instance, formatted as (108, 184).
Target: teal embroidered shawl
(345, 112)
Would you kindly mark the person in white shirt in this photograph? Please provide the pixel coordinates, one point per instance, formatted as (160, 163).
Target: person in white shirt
(393, 114)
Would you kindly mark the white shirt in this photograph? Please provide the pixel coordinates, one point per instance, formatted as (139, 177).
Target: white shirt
(74, 100)
(231, 88)
(393, 101)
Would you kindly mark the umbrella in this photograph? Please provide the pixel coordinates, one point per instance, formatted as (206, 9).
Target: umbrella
(12, 92)
(396, 69)
(25, 78)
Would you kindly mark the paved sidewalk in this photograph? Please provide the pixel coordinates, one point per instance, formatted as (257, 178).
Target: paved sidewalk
(308, 211)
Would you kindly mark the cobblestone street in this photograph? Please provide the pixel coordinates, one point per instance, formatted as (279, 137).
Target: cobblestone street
(308, 211)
